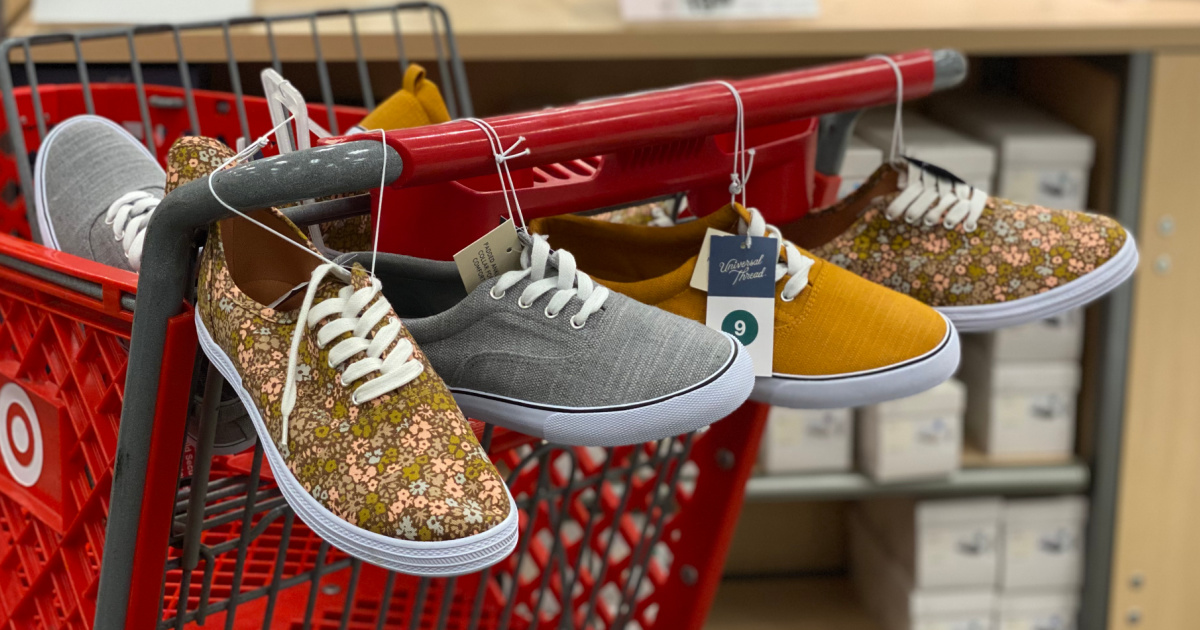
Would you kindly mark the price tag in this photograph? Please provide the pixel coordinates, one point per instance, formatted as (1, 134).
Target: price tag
(741, 294)
(494, 253)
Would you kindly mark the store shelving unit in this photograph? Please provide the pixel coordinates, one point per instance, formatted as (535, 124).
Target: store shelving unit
(1067, 477)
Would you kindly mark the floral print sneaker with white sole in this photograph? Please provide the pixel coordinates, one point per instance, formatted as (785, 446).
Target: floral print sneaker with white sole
(368, 445)
(982, 261)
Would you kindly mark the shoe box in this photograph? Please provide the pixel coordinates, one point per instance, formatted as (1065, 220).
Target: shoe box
(1043, 544)
(890, 596)
(1037, 611)
(913, 438)
(1008, 564)
(971, 160)
(860, 162)
(1022, 385)
(807, 440)
(1041, 160)
(940, 543)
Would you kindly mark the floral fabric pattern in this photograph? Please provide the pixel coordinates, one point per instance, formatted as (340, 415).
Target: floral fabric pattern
(1016, 251)
(406, 465)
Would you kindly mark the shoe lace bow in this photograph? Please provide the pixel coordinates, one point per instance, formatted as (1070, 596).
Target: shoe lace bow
(552, 271)
(927, 197)
(355, 311)
(129, 216)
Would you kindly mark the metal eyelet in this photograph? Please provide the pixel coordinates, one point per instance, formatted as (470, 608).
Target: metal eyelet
(547, 313)
(492, 293)
(577, 326)
(521, 304)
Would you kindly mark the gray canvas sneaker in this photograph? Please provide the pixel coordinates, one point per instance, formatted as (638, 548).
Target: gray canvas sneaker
(547, 352)
(95, 187)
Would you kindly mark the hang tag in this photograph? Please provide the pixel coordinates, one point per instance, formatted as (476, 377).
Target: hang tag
(494, 253)
(700, 273)
(741, 294)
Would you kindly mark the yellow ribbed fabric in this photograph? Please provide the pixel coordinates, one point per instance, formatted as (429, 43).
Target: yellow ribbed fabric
(417, 103)
(839, 324)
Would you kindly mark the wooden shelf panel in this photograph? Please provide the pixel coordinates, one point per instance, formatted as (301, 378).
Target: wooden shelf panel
(592, 29)
(788, 604)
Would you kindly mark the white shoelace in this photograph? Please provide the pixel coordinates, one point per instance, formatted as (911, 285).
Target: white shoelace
(791, 262)
(129, 215)
(564, 279)
(395, 371)
(926, 198)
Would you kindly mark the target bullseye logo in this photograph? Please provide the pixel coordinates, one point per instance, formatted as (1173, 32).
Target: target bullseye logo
(21, 445)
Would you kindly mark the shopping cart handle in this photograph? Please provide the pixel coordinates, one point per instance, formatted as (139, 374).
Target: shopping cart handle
(458, 150)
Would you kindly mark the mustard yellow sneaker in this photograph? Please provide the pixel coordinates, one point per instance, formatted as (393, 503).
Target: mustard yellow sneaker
(984, 262)
(840, 341)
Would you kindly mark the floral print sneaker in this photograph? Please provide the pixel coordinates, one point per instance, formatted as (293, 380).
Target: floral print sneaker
(367, 443)
(984, 262)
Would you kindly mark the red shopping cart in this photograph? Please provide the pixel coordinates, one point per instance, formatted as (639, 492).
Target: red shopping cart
(100, 524)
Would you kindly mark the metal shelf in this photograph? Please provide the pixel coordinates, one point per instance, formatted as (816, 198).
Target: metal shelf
(1067, 477)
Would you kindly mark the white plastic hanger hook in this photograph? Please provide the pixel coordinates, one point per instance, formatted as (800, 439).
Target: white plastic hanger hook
(741, 166)
(897, 150)
(284, 100)
(502, 156)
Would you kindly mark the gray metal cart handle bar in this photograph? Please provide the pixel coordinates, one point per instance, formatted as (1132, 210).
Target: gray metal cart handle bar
(170, 239)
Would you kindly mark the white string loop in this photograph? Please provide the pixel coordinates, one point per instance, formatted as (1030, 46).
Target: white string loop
(502, 156)
(741, 166)
(897, 150)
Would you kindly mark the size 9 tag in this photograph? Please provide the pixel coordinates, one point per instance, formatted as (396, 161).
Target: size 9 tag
(494, 253)
(741, 294)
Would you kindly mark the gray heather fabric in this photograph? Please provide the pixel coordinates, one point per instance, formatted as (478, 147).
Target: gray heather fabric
(628, 352)
(88, 163)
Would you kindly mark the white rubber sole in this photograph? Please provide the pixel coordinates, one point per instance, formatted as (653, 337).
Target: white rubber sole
(426, 559)
(1071, 295)
(687, 410)
(46, 235)
(863, 388)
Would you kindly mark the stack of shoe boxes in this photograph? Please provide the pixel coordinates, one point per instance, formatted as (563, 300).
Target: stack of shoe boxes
(1041, 570)
(932, 564)
(917, 437)
(977, 563)
(1022, 384)
(807, 440)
